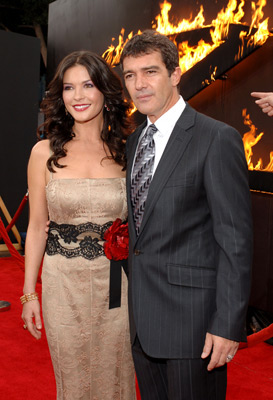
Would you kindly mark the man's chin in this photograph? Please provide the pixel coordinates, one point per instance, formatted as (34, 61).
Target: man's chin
(143, 109)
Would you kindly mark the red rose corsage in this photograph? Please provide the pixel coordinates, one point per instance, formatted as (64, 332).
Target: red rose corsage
(116, 245)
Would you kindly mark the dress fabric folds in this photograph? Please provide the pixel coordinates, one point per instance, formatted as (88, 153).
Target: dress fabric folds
(89, 343)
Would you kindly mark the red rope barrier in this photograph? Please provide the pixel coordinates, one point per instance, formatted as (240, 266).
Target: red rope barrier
(10, 246)
(258, 337)
(14, 253)
(17, 214)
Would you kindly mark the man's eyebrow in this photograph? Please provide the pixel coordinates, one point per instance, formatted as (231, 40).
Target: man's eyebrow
(142, 69)
(127, 71)
(151, 67)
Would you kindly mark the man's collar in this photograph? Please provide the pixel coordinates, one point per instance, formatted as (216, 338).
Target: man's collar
(167, 121)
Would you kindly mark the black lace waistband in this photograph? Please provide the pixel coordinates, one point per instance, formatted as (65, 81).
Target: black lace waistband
(61, 236)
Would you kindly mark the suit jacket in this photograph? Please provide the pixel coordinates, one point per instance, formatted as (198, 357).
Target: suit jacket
(190, 266)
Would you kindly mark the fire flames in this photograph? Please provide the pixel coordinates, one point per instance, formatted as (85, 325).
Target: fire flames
(212, 77)
(257, 34)
(250, 138)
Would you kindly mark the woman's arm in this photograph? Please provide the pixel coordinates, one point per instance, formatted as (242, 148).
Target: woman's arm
(36, 236)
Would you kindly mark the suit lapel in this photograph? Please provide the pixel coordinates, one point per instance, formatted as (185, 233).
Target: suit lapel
(173, 152)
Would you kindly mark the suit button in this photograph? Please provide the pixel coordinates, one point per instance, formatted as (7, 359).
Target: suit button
(137, 252)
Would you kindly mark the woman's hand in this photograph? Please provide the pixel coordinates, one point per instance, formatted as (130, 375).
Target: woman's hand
(32, 318)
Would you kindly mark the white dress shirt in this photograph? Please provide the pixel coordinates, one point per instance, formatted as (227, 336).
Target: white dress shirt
(164, 125)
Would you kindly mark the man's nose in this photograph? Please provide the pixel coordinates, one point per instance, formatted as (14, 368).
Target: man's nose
(140, 82)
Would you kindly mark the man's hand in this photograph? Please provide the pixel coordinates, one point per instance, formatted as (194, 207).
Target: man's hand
(265, 101)
(222, 350)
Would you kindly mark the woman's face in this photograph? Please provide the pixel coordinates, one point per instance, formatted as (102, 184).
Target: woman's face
(81, 98)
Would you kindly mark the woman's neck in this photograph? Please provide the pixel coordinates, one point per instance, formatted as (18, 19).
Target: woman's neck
(88, 131)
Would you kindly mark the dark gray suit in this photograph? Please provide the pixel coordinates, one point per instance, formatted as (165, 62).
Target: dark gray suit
(190, 266)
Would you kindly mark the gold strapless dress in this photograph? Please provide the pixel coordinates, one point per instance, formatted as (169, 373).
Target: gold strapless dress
(89, 343)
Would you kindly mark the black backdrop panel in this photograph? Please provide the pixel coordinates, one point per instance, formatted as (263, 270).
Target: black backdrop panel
(225, 99)
(91, 24)
(19, 75)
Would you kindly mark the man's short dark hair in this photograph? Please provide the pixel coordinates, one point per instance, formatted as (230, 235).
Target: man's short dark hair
(148, 42)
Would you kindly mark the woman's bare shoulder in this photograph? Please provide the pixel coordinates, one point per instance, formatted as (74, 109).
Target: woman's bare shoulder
(41, 148)
(40, 153)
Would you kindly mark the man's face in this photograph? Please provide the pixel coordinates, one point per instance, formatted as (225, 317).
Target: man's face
(148, 82)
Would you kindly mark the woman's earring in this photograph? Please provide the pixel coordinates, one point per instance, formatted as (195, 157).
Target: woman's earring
(66, 112)
(107, 108)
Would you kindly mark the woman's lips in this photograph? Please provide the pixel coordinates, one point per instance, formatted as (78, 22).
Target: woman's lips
(81, 107)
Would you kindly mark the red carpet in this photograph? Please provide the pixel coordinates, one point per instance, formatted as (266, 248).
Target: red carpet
(26, 371)
(250, 375)
(25, 367)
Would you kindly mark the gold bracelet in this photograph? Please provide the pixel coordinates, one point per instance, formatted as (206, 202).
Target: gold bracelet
(29, 297)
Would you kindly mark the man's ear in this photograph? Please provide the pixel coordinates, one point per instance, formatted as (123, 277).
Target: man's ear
(176, 76)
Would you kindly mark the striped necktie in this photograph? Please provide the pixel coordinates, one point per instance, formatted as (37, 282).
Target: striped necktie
(142, 174)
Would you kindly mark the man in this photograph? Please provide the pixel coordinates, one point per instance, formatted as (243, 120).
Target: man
(190, 233)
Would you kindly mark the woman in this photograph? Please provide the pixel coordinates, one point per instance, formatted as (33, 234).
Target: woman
(77, 177)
